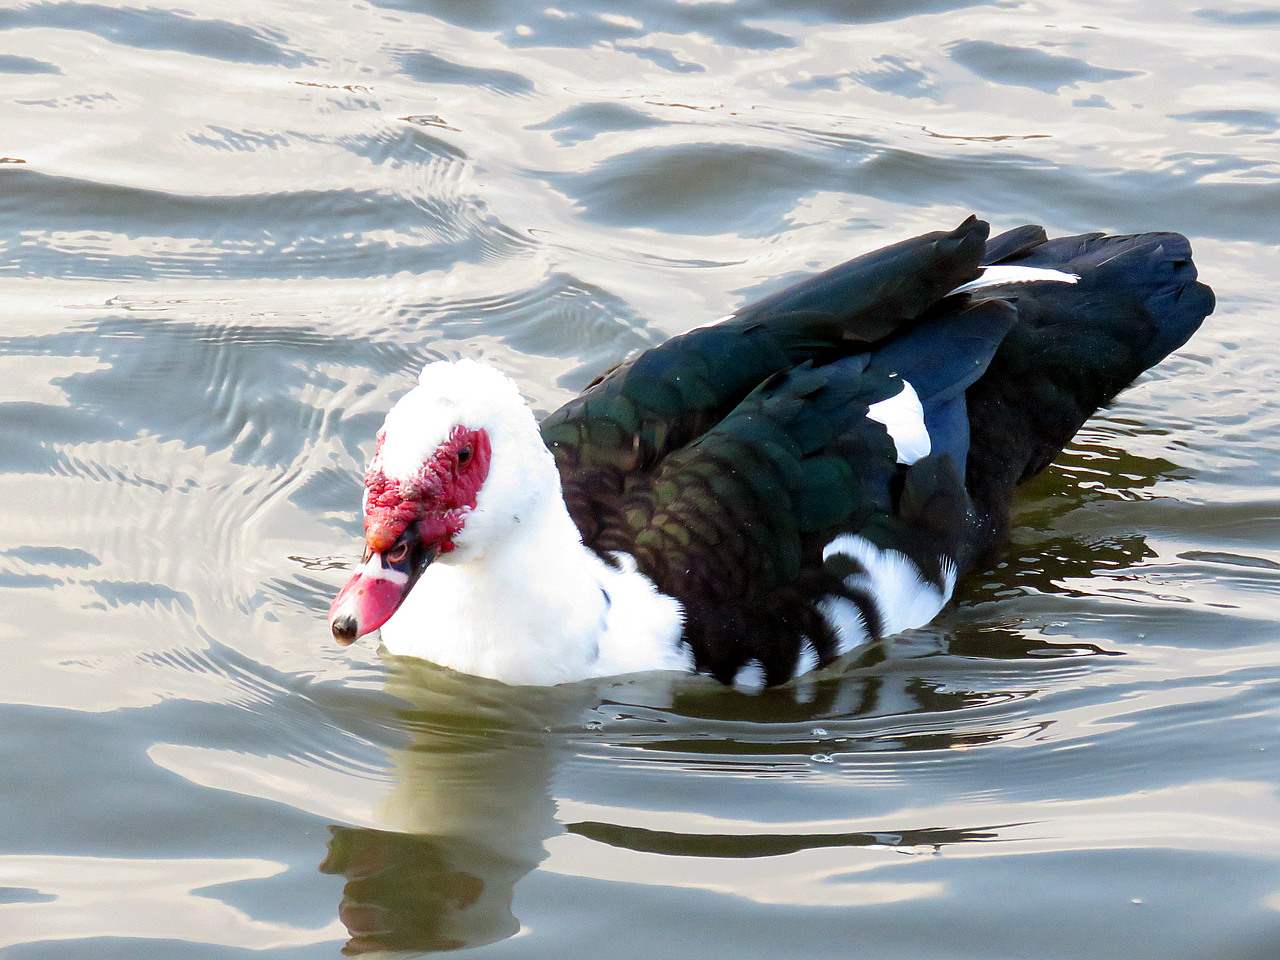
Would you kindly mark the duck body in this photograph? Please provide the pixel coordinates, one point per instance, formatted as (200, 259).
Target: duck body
(756, 497)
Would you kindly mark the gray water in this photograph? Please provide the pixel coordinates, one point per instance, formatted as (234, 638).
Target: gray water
(230, 234)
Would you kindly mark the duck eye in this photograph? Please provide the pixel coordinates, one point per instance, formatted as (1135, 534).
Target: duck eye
(397, 553)
(464, 456)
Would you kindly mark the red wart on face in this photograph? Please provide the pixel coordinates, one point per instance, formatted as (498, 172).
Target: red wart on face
(408, 523)
(437, 496)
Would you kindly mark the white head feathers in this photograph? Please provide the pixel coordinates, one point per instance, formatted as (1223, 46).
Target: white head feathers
(464, 392)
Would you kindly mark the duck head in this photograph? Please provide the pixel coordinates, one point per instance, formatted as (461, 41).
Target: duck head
(458, 461)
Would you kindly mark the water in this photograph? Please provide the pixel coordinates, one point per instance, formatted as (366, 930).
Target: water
(231, 233)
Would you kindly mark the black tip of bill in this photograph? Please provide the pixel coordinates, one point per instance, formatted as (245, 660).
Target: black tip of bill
(345, 629)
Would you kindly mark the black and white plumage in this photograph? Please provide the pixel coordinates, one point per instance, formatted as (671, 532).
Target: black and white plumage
(758, 496)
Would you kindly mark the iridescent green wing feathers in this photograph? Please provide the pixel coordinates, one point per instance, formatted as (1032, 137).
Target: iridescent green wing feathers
(624, 426)
(795, 459)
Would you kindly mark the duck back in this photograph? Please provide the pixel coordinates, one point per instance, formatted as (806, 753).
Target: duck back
(817, 469)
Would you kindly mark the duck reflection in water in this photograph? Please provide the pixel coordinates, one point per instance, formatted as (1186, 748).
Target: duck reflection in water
(468, 817)
(472, 807)
(404, 892)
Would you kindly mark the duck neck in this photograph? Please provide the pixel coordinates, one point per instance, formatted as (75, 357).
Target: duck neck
(531, 609)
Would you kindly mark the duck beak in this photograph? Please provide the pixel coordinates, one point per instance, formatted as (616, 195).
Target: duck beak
(372, 596)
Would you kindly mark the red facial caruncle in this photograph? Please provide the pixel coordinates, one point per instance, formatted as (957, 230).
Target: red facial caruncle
(409, 522)
(437, 497)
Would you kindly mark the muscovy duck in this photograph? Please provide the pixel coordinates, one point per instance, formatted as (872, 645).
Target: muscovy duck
(756, 497)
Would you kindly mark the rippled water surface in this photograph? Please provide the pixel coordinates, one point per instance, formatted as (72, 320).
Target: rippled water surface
(230, 234)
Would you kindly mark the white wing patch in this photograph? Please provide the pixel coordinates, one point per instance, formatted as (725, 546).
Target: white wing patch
(903, 416)
(808, 658)
(845, 619)
(903, 597)
(995, 276)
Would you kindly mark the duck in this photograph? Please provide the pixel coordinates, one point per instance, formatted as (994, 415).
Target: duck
(761, 495)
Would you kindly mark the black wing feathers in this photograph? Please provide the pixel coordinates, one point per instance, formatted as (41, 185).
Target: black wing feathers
(735, 523)
(726, 459)
(870, 297)
(1074, 347)
(668, 395)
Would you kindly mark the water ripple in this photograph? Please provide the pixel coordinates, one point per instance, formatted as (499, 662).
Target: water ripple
(153, 29)
(229, 238)
(70, 229)
(1029, 67)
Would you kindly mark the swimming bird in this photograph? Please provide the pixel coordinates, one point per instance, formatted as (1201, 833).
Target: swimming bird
(758, 496)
